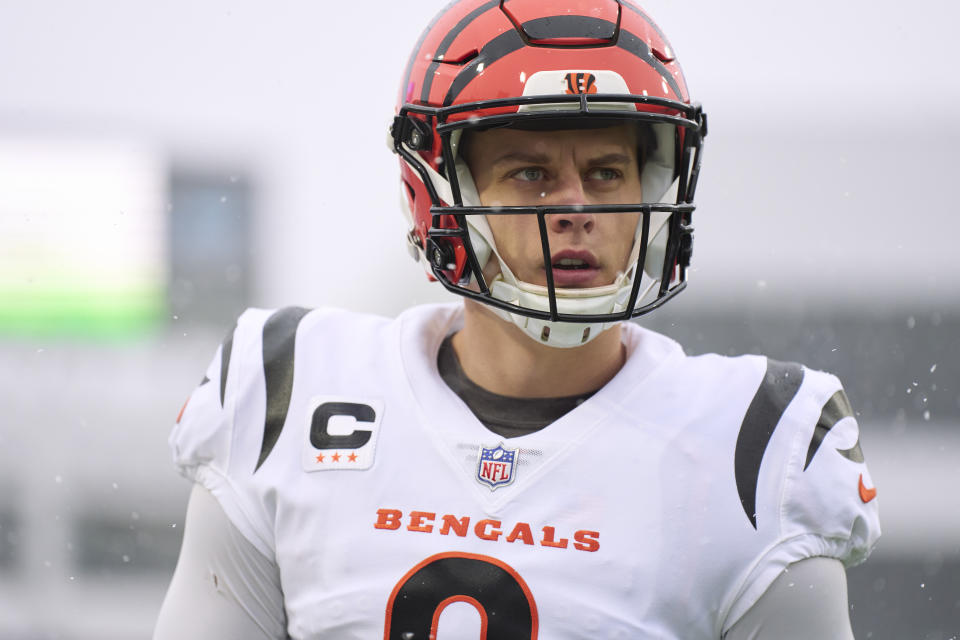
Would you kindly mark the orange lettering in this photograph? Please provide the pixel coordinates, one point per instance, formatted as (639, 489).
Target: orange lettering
(481, 529)
(549, 541)
(521, 532)
(416, 521)
(489, 529)
(388, 519)
(586, 540)
(459, 526)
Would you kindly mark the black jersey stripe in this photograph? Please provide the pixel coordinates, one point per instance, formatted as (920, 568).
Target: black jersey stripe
(854, 453)
(279, 342)
(444, 46)
(509, 41)
(836, 409)
(779, 386)
(225, 352)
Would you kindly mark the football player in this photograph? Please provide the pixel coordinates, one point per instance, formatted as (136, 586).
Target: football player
(526, 463)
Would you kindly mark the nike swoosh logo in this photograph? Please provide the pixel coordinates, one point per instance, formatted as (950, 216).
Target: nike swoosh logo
(182, 409)
(866, 494)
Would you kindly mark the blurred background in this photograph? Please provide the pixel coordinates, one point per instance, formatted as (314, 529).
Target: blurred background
(165, 165)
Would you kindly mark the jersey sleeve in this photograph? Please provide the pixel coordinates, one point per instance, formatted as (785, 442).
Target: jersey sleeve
(817, 493)
(828, 492)
(809, 600)
(215, 432)
(222, 586)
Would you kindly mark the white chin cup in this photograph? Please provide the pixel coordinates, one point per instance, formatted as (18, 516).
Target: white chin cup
(554, 334)
(612, 298)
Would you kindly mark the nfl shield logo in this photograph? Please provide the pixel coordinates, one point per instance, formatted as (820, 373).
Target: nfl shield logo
(496, 467)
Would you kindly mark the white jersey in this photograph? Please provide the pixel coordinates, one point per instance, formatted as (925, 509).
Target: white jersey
(662, 507)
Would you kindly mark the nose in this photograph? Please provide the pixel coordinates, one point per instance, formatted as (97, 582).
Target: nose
(570, 222)
(569, 190)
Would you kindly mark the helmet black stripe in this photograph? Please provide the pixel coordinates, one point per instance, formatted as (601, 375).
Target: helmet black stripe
(504, 44)
(646, 19)
(510, 41)
(636, 46)
(416, 50)
(573, 26)
(443, 46)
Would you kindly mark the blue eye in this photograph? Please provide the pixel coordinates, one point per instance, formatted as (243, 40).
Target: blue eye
(603, 173)
(530, 174)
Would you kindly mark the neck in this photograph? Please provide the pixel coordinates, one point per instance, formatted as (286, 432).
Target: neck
(499, 357)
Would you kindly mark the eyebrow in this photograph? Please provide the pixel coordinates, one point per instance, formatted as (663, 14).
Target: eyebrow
(611, 158)
(522, 156)
(542, 158)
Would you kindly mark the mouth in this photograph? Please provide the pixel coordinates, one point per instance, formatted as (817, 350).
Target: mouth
(571, 263)
(574, 259)
(574, 268)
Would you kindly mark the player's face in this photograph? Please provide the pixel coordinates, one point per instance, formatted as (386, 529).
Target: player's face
(571, 167)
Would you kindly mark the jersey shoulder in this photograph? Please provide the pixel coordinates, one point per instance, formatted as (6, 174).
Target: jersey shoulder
(827, 487)
(761, 465)
(233, 419)
(791, 423)
(799, 472)
(252, 373)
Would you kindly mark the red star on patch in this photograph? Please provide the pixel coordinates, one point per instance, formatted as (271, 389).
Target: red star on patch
(352, 457)
(335, 457)
(320, 457)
